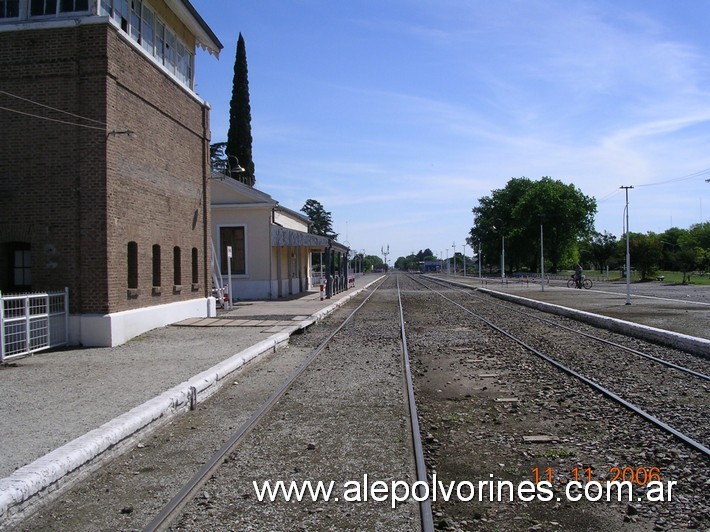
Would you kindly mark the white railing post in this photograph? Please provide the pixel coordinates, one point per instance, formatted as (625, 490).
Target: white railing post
(2, 328)
(27, 323)
(66, 314)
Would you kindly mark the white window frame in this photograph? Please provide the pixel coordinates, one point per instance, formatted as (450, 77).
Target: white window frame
(165, 43)
(57, 11)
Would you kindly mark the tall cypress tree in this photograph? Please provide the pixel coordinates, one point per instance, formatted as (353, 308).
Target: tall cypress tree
(239, 136)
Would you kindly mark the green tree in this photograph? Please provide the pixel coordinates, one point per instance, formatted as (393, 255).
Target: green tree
(516, 213)
(373, 262)
(239, 139)
(645, 252)
(670, 247)
(322, 223)
(602, 247)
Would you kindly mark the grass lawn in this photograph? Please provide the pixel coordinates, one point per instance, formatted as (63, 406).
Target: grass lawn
(668, 276)
(677, 277)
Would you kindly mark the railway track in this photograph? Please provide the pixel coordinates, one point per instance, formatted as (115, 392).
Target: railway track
(187, 494)
(669, 395)
(513, 416)
(488, 410)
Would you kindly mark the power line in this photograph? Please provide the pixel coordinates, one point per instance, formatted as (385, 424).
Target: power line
(689, 176)
(677, 179)
(52, 119)
(52, 108)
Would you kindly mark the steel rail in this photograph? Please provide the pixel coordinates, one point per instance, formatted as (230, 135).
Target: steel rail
(605, 391)
(425, 513)
(466, 290)
(171, 510)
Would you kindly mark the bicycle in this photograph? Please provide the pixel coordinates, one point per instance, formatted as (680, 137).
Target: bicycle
(585, 283)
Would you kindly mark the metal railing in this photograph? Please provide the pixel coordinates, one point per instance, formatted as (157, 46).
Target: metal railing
(33, 322)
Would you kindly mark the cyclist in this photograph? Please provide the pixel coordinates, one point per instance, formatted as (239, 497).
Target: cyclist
(578, 275)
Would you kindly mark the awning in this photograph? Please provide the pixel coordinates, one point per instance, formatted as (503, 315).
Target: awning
(281, 236)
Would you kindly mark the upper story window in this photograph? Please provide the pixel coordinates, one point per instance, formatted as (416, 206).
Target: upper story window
(139, 21)
(136, 18)
(9, 8)
(40, 8)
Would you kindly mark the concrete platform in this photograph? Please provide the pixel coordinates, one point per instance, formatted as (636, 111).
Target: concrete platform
(658, 311)
(65, 411)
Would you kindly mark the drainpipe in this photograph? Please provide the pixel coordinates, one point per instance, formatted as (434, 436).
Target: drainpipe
(206, 229)
(271, 252)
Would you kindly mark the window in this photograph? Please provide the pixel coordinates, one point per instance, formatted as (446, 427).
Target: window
(195, 267)
(9, 8)
(132, 256)
(70, 6)
(136, 20)
(147, 39)
(177, 268)
(233, 236)
(156, 265)
(160, 41)
(169, 60)
(43, 7)
(22, 266)
(40, 8)
(120, 13)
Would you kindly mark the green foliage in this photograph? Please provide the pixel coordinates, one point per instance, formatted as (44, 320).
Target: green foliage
(322, 223)
(239, 139)
(645, 250)
(600, 249)
(516, 213)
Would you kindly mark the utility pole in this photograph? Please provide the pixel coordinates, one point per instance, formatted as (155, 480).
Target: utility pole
(628, 255)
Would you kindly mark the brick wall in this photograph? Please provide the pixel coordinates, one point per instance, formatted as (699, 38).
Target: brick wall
(79, 195)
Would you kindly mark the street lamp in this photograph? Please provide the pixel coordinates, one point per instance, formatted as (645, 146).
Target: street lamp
(464, 260)
(542, 259)
(628, 255)
(453, 257)
(480, 255)
(502, 254)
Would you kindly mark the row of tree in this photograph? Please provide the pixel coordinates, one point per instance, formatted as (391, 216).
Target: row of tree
(683, 250)
(522, 213)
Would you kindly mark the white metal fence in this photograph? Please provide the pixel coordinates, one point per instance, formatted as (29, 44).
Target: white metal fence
(33, 322)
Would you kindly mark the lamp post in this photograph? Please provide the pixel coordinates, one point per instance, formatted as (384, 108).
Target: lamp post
(448, 266)
(480, 271)
(542, 260)
(628, 254)
(502, 254)
(453, 257)
(464, 260)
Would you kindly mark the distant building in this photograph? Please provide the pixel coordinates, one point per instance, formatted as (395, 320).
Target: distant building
(104, 161)
(272, 250)
(429, 266)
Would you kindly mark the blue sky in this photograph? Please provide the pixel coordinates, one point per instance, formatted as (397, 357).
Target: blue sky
(398, 115)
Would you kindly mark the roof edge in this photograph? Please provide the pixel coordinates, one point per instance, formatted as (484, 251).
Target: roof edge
(187, 13)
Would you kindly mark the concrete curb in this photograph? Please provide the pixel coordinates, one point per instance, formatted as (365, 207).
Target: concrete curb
(684, 342)
(50, 473)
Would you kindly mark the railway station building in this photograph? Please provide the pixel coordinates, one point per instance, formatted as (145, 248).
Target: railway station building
(104, 161)
(272, 249)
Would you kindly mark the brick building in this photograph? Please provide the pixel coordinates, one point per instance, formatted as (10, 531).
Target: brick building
(104, 161)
